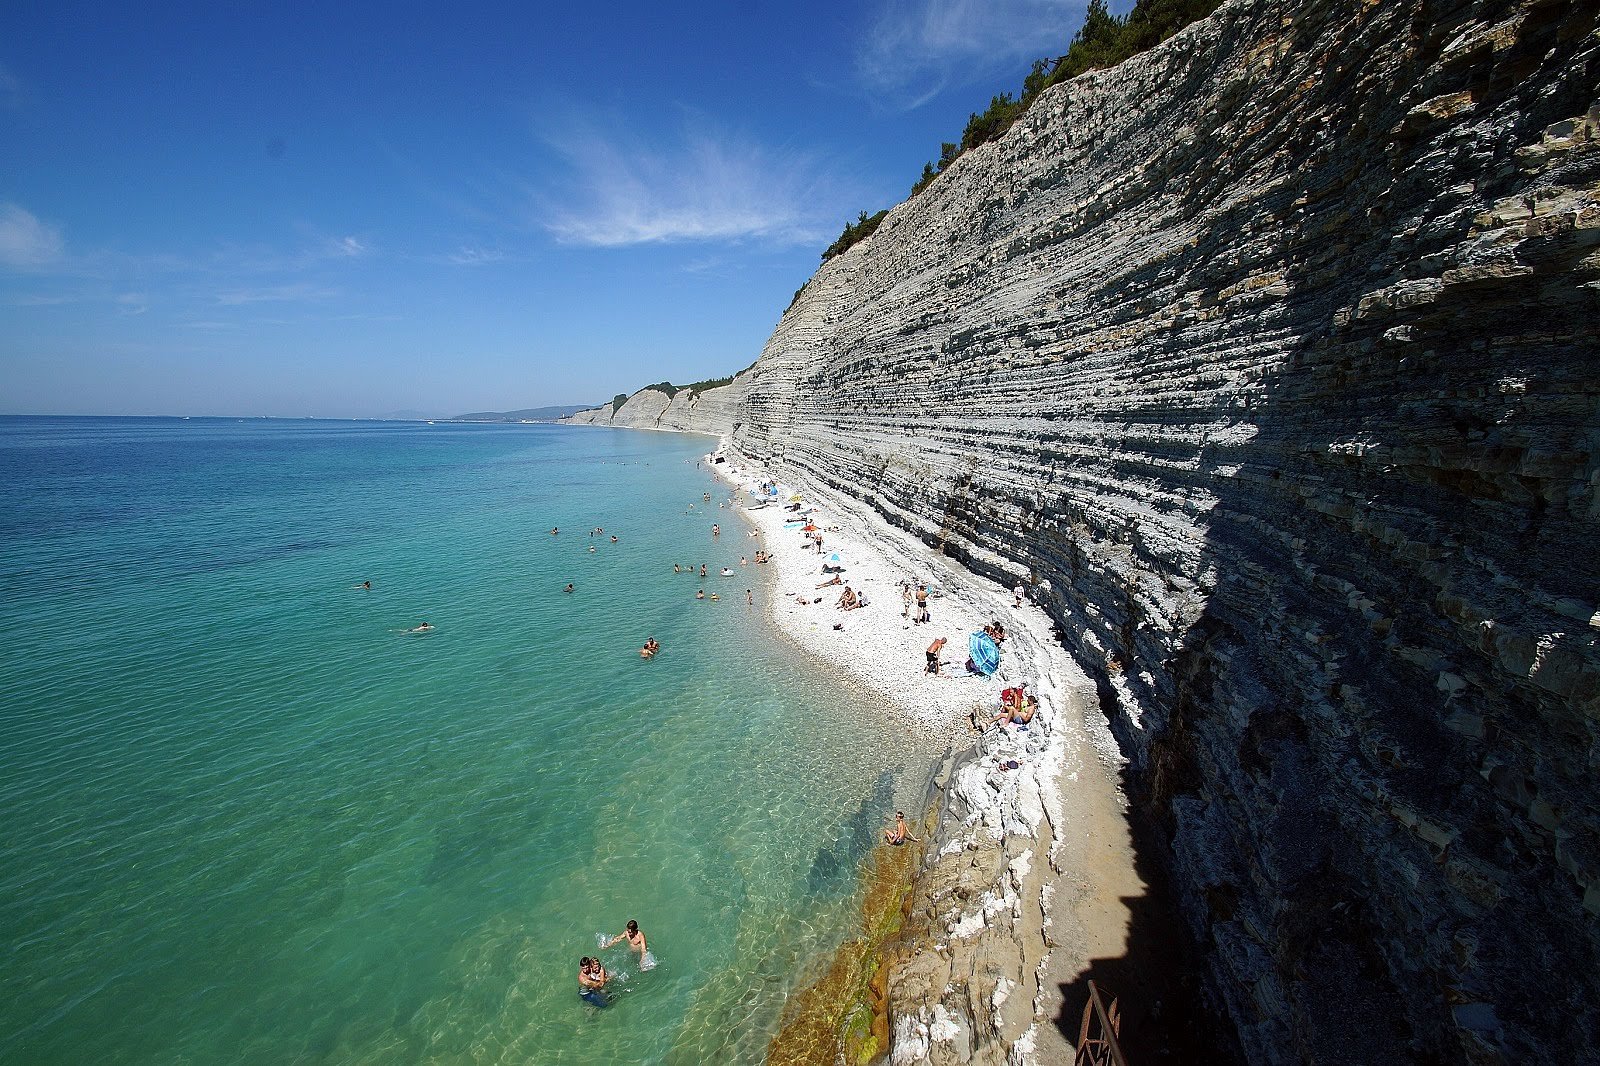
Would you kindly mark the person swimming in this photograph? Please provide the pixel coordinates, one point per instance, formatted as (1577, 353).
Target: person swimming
(633, 935)
(568, 588)
(700, 594)
(651, 646)
(592, 978)
(426, 627)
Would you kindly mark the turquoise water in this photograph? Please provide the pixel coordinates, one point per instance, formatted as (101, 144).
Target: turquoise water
(249, 819)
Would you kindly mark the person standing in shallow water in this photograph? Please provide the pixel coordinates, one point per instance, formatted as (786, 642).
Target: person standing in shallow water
(592, 979)
(633, 935)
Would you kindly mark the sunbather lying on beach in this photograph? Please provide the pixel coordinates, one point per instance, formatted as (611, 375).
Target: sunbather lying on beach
(834, 580)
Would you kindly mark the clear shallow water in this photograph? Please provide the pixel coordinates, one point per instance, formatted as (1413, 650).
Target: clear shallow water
(247, 819)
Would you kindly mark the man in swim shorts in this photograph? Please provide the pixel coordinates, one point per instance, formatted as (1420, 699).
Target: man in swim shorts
(933, 654)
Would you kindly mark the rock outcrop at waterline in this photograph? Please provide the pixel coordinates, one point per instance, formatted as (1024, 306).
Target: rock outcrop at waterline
(1274, 352)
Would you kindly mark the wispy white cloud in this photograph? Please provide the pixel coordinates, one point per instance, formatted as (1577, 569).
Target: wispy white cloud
(472, 256)
(26, 243)
(915, 49)
(293, 292)
(698, 184)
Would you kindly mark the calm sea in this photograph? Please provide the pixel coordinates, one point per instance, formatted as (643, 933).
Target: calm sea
(247, 818)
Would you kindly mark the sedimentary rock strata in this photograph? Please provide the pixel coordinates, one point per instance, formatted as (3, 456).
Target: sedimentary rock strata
(1273, 351)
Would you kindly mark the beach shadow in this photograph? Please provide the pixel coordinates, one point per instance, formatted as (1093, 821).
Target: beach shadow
(1157, 982)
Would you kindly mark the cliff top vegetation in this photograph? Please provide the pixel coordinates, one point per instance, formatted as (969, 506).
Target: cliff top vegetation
(1103, 41)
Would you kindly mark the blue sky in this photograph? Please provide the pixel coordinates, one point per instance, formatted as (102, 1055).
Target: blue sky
(353, 210)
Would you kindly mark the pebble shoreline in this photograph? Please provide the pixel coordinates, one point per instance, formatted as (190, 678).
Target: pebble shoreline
(1008, 926)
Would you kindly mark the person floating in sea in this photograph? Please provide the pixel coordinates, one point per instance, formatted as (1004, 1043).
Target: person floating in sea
(592, 978)
(591, 547)
(568, 588)
(366, 585)
(554, 530)
(676, 569)
(613, 538)
(699, 594)
(634, 936)
(702, 569)
(726, 572)
(651, 646)
(426, 627)
(900, 833)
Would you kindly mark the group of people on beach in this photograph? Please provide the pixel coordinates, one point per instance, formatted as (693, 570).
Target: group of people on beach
(1017, 707)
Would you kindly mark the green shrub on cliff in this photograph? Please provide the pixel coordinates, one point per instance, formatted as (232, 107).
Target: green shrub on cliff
(617, 401)
(1103, 41)
(709, 383)
(854, 232)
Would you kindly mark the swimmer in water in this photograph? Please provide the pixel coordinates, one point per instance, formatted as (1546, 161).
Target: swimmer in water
(554, 530)
(633, 935)
(676, 569)
(613, 538)
(568, 588)
(426, 627)
(651, 646)
(592, 979)
(700, 594)
(367, 585)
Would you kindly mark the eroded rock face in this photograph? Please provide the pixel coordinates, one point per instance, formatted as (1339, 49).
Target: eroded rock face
(1274, 352)
(711, 411)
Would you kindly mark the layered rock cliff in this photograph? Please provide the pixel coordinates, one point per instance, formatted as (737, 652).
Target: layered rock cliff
(1273, 351)
(685, 411)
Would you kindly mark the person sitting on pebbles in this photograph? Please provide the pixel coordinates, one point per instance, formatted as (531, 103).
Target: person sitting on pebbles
(1016, 706)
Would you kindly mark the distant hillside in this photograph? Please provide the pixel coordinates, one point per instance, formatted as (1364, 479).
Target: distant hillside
(531, 414)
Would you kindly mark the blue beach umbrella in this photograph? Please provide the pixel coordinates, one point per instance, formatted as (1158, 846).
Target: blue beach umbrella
(985, 653)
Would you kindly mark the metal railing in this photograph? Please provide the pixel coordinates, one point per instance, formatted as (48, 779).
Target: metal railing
(1097, 1035)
